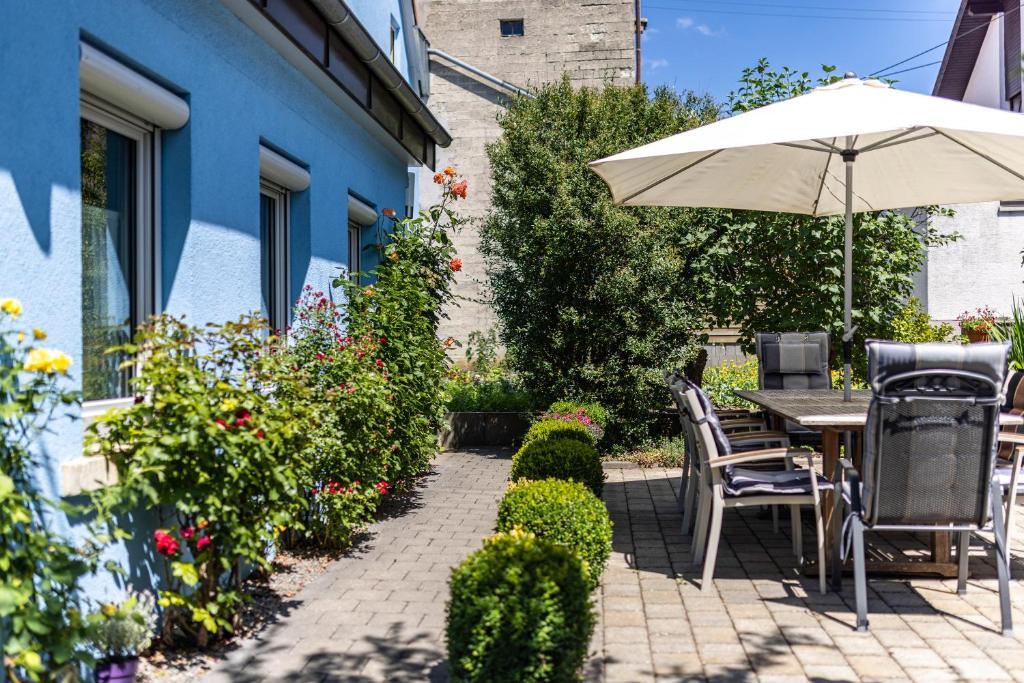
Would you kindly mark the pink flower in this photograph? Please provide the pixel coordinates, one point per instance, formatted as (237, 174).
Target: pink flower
(222, 423)
(382, 486)
(202, 543)
(187, 533)
(166, 545)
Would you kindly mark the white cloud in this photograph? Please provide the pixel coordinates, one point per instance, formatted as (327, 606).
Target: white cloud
(687, 23)
(657, 64)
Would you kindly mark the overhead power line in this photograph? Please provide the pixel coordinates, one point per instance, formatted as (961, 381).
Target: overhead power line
(768, 5)
(781, 15)
(944, 43)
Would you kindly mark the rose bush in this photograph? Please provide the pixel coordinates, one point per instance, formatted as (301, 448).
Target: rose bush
(44, 635)
(210, 447)
(404, 305)
(348, 388)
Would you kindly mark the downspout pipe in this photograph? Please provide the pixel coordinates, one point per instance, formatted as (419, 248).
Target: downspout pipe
(490, 78)
(346, 25)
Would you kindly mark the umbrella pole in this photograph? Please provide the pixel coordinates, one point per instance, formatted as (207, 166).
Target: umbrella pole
(849, 156)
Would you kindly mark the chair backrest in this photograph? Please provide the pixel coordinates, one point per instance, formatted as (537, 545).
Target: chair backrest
(1013, 403)
(792, 360)
(930, 437)
(678, 385)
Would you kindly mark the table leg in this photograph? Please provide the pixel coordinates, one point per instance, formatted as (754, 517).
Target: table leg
(941, 551)
(830, 458)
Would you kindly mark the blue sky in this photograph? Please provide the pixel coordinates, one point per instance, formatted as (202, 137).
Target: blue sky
(702, 45)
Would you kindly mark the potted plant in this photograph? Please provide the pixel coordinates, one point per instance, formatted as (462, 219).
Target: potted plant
(977, 326)
(122, 631)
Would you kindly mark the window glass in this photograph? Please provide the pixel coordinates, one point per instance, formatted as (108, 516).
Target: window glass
(109, 229)
(512, 27)
(268, 217)
(353, 251)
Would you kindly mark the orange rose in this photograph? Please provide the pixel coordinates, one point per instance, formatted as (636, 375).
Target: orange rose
(459, 189)
(439, 178)
(456, 264)
(390, 213)
(449, 171)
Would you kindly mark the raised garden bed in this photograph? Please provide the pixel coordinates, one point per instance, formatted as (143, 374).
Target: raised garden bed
(475, 429)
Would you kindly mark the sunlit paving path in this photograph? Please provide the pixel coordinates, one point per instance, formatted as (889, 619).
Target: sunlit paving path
(378, 614)
(765, 622)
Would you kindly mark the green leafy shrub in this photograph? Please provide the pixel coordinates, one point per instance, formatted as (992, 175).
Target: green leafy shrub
(594, 411)
(351, 434)
(207, 446)
(519, 612)
(43, 635)
(561, 459)
(545, 430)
(487, 395)
(565, 512)
(667, 452)
(125, 629)
(912, 325)
(1012, 330)
(402, 308)
(721, 382)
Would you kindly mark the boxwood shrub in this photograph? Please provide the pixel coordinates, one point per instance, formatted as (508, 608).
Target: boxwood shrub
(520, 611)
(565, 512)
(545, 430)
(559, 458)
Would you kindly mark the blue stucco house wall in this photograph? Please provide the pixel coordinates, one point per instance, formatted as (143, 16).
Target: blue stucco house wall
(245, 84)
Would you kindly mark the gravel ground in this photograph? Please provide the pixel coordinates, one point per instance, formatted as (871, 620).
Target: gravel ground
(292, 571)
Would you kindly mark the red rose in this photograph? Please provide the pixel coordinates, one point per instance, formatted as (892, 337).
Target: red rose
(380, 363)
(456, 264)
(187, 533)
(222, 423)
(382, 486)
(383, 340)
(320, 356)
(202, 543)
(166, 545)
(259, 433)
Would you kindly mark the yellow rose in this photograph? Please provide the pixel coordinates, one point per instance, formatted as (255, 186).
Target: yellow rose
(48, 361)
(38, 334)
(21, 337)
(11, 306)
(109, 609)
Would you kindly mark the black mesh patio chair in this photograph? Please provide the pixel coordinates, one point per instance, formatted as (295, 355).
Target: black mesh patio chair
(730, 480)
(929, 455)
(744, 430)
(794, 360)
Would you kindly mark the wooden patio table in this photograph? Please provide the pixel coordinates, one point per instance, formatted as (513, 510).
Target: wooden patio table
(824, 410)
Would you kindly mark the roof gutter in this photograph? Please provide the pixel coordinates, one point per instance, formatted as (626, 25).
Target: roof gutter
(346, 25)
(490, 78)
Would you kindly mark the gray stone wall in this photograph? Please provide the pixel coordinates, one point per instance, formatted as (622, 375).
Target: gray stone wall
(592, 41)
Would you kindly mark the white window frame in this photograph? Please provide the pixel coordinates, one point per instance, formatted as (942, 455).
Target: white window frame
(279, 254)
(355, 250)
(146, 290)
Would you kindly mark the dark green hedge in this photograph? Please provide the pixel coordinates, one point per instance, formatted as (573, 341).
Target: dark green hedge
(559, 458)
(565, 512)
(545, 430)
(520, 612)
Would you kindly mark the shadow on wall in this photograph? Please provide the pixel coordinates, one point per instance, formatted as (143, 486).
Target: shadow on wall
(29, 202)
(470, 84)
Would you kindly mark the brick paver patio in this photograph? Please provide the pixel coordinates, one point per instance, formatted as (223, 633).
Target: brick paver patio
(378, 615)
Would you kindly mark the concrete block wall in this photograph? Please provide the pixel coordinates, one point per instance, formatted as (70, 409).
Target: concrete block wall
(593, 42)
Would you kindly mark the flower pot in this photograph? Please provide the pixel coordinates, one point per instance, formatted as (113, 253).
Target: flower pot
(975, 336)
(117, 671)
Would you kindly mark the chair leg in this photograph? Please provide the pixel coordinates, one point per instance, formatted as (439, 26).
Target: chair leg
(796, 529)
(684, 476)
(860, 583)
(691, 500)
(963, 552)
(700, 531)
(1002, 566)
(837, 541)
(714, 535)
(819, 528)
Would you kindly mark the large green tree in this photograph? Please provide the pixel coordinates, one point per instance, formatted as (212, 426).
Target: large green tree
(590, 296)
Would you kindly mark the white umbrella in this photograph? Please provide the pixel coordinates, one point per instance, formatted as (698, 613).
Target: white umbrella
(908, 149)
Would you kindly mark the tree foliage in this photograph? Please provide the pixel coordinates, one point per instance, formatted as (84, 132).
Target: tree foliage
(588, 294)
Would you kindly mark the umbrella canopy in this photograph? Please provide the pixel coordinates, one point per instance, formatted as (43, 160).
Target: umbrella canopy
(799, 155)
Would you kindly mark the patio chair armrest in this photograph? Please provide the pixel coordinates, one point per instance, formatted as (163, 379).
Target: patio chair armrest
(846, 470)
(744, 438)
(1011, 437)
(761, 455)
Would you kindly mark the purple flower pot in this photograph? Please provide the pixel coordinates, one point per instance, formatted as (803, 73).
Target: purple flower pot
(117, 671)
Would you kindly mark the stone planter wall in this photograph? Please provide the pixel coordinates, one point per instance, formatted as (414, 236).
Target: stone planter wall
(468, 430)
